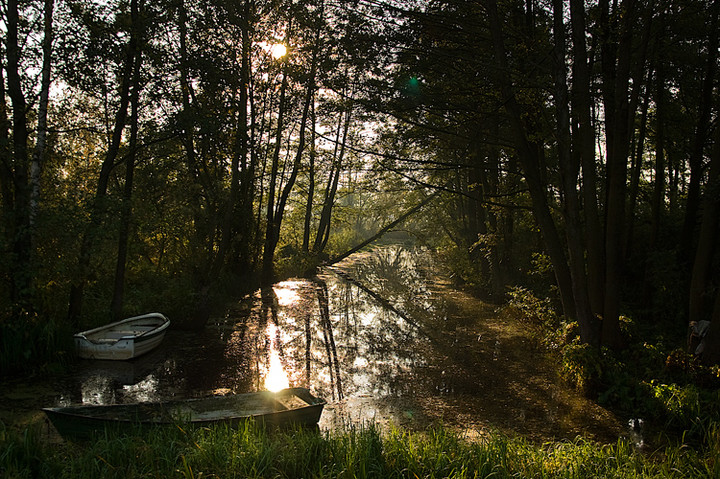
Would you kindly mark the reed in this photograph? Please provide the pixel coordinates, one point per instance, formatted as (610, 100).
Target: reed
(361, 452)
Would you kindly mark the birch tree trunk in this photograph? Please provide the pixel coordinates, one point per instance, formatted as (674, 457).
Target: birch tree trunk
(39, 150)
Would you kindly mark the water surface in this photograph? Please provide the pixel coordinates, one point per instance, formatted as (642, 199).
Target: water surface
(382, 336)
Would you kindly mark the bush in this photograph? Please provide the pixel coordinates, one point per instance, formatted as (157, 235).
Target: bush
(582, 367)
(540, 312)
(29, 342)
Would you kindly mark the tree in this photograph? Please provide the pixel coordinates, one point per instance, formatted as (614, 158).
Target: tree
(275, 209)
(552, 137)
(20, 170)
(132, 51)
(116, 305)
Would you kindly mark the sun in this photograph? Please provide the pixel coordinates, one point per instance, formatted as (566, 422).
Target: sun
(278, 50)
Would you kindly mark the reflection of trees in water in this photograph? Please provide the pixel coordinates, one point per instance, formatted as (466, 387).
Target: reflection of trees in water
(375, 346)
(337, 337)
(333, 337)
(328, 337)
(400, 276)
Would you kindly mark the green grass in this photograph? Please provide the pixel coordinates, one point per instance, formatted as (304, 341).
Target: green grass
(365, 452)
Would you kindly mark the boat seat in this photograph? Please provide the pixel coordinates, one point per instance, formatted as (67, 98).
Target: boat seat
(125, 332)
(115, 335)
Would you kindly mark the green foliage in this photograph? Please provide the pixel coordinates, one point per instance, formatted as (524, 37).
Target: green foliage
(366, 452)
(538, 311)
(582, 366)
(667, 387)
(687, 408)
(465, 269)
(28, 341)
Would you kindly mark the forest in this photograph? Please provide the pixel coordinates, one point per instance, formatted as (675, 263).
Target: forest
(170, 155)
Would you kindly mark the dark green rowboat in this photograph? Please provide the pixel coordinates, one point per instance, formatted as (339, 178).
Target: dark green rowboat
(289, 406)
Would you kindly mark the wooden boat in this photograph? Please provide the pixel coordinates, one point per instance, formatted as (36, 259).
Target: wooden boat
(124, 339)
(288, 406)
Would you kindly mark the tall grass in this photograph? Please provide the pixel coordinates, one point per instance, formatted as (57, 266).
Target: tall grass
(250, 452)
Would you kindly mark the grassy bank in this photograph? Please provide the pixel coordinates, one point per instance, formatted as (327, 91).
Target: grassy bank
(250, 452)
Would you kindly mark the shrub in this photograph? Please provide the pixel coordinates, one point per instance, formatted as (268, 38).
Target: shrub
(582, 367)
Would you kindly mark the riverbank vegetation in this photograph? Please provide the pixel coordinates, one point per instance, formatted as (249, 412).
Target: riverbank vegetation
(356, 453)
(664, 392)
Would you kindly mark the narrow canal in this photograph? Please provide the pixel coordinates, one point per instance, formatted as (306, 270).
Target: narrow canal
(382, 336)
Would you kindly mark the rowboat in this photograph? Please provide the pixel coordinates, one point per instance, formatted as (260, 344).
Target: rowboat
(285, 407)
(124, 339)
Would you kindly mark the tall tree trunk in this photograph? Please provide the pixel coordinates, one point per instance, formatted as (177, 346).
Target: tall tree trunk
(616, 81)
(39, 150)
(311, 183)
(701, 133)
(273, 228)
(247, 160)
(658, 197)
(635, 171)
(323, 230)
(6, 172)
(21, 284)
(116, 305)
(7, 199)
(186, 91)
(529, 155)
(271, 233)
(498, 223)
(77, 289)
(569, 172)
(231, 216)
(584, 147)
(707, 241)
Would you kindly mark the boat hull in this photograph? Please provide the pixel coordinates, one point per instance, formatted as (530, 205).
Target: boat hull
(126, 339)
(289, 406)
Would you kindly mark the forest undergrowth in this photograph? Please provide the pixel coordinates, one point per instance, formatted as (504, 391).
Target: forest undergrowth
(654, 383)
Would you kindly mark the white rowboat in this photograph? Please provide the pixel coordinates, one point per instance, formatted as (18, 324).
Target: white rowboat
(124, 339)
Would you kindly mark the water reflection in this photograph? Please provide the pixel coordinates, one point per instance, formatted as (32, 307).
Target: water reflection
(382, 337)
(275, 376)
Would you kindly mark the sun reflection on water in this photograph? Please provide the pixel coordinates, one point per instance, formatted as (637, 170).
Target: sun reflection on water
(275, 378)
(285, 293)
